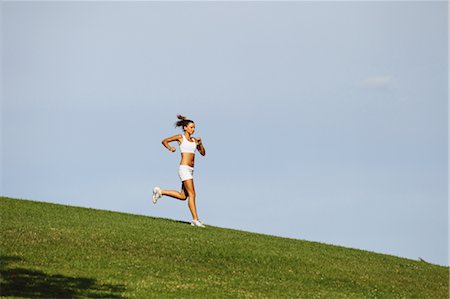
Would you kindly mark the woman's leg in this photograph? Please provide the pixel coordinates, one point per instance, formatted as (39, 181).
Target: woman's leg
(175, 194)
(189, 187)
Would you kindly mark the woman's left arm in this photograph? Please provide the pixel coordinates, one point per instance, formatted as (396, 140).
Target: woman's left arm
(200, 147)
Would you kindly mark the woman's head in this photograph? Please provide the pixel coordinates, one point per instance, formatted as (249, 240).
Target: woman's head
(185, 123)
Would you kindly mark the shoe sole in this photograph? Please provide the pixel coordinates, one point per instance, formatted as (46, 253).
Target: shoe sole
(197, 225)
(155, 196)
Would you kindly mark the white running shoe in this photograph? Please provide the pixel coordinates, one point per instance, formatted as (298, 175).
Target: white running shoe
(197, 223)
(156, 194)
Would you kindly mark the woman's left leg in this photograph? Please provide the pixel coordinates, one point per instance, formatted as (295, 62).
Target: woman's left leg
(189, 186)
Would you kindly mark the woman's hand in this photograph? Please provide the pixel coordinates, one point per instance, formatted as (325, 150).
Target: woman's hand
(166, 141)
(200, 147)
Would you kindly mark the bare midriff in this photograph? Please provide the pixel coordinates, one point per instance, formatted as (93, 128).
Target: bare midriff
(187, 159)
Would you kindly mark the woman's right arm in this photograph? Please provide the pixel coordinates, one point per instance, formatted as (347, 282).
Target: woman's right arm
(166, 141)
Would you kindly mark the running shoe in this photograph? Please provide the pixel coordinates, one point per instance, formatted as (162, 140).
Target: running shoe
(197, 223)
(156, 194)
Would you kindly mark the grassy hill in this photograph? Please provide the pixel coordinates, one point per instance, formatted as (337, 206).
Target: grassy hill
(50, 250)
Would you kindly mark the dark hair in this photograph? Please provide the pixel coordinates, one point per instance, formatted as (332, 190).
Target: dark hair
(183, 121)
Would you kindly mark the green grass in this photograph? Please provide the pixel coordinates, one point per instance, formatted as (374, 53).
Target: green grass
(50, 250)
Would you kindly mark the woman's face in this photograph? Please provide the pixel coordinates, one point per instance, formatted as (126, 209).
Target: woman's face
(190, 128)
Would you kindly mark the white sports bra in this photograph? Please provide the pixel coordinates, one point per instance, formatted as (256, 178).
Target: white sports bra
(187, 146)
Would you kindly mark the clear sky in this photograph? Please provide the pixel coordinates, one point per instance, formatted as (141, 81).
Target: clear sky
(322, 121)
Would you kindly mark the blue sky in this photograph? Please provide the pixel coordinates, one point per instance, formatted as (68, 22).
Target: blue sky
(323, 121)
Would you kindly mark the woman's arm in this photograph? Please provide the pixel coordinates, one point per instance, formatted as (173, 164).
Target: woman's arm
(166, 141)
(200, 147)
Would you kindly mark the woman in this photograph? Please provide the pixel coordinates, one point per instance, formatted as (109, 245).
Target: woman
(188, 145)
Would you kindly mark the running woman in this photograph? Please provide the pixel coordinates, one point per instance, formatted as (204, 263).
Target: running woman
(188, 145)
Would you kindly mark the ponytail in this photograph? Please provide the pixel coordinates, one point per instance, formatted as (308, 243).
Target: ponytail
(183, 121)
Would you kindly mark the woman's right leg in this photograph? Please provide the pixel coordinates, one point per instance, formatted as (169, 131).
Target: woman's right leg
(182, 195)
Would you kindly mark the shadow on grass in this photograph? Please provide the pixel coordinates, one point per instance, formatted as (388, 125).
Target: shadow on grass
(20, 282)
(183, 222)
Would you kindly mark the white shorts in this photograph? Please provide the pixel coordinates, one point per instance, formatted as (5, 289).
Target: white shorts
(185, 172)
